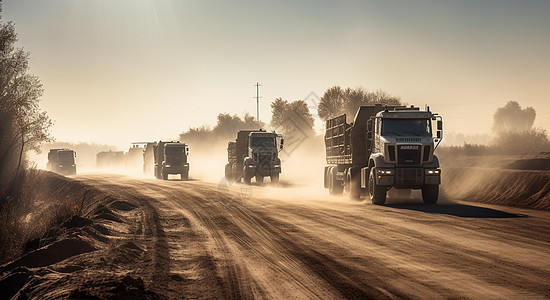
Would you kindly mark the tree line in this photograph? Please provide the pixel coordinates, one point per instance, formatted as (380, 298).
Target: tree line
(293, 119)
(23, 126)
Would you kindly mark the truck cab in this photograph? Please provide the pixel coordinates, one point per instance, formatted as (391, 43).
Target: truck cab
(263, 157)
(402, 154)
(171, 158)
(255, 153)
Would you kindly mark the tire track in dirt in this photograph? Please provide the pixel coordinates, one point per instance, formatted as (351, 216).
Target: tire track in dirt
(272, 248)
(159, 261)
(401, 246)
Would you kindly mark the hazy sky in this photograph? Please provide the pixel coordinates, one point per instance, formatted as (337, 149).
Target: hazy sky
(116, 71)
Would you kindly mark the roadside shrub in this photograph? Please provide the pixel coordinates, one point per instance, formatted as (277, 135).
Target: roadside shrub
(524, 142)
(521, 142)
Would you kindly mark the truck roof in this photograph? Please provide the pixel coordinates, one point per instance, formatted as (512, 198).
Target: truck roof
(263, 133)
(405, 114)
(174, 144)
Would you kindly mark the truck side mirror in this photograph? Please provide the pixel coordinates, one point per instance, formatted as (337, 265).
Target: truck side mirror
(439, 134)
(439, 125)
(282, 143)
(369, 129)
(186, 150)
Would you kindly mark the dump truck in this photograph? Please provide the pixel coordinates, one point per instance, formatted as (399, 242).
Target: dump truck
(384, 147)
(62, 161)
(171, 158)
(255, 153)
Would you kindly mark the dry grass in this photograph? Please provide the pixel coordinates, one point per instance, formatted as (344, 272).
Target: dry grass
(44, 199)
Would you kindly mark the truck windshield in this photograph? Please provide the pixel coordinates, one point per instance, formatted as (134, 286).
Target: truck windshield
(66, 156)
(265, 142)
(406, 127)
(174, 150)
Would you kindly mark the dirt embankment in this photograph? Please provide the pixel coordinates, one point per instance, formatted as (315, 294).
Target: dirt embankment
(503, 180)
(64, 262)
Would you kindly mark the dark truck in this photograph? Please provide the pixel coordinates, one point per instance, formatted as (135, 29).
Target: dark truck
(62, 161)
(384, 147)
(255, 153)
(171, 158)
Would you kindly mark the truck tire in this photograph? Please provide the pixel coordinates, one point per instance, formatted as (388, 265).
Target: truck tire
(185, 175)
(430, 193)
(335, 187)
(164, 176)
(377, 193)
(247, 179)
(259, 179)
(275, 178)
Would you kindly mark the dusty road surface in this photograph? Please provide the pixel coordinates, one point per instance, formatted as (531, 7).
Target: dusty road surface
(204, 240)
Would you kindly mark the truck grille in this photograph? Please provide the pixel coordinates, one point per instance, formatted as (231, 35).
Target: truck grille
(408, 176)
(264, 163)
(408, 155)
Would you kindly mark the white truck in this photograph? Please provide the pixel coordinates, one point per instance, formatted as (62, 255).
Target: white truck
(384, 147)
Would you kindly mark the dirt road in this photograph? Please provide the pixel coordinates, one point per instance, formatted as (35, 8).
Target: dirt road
(204, 240)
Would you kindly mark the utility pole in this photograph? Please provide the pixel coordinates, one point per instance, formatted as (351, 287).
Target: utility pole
(258, 85)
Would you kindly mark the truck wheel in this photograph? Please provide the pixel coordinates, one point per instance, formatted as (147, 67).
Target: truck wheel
(430, 194)
(377, 193)
(247, 179)
(335, 187)
(259, 179)
(185, 175)
(164, 176)
(275, 178)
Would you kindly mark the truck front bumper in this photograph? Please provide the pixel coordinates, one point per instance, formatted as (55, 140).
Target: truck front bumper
(175, 169)
(407, 177)
(266, 170)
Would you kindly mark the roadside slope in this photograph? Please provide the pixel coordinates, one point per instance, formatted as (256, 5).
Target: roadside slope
(512, 181)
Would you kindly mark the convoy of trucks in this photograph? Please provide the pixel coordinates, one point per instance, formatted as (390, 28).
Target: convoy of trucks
(384, 147)
(255, 153)
(171, 158)
(62, 161)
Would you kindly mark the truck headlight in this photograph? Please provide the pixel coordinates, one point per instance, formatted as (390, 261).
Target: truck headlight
(433, 171)
(167, 166)
(384, 171)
